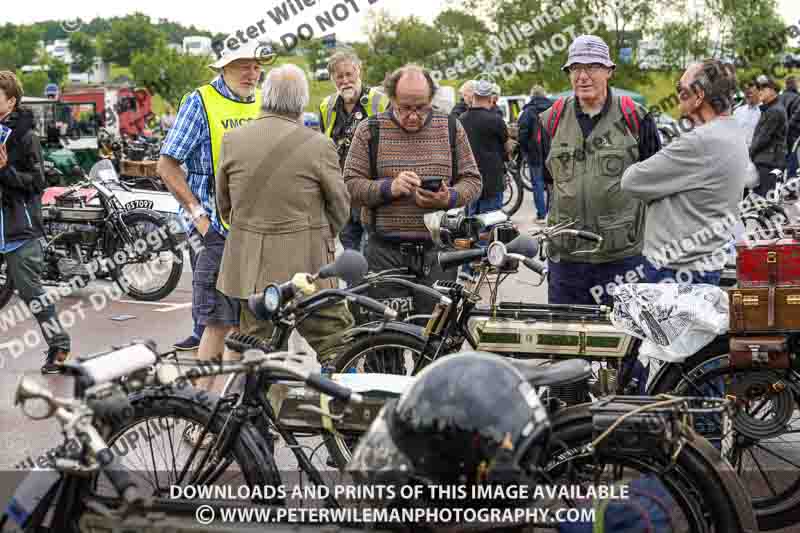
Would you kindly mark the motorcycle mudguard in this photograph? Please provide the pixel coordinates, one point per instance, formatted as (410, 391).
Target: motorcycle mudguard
(33, 496)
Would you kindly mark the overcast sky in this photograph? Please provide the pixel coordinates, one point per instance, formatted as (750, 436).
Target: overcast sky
(230, 17)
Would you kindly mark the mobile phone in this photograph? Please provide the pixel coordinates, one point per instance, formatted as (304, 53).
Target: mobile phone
(5, 133)
(431, 183)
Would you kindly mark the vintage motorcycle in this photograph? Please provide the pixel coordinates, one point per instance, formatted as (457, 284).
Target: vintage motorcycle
(89, 234)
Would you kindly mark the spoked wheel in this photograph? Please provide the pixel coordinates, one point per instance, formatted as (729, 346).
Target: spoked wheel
(766, 433)
(159, 444)
(763, 228)
(689, 493)
(512, 193)
(384, 353)
(6, 284)
(151, 267)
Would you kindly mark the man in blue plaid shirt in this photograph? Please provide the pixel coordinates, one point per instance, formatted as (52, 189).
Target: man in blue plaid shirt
(204, 116)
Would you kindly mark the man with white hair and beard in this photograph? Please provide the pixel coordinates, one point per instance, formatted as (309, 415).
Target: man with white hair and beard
(280, 185)
(341, 113)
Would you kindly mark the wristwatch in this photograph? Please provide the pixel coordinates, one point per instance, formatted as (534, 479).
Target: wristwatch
(197, 212)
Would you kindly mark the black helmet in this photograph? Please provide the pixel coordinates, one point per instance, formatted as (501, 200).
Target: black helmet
(463, 416)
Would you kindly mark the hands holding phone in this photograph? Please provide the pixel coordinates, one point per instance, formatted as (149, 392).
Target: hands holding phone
(408, 182)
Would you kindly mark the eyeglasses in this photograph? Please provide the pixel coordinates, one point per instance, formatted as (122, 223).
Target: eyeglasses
(684, 92)
(420, 110)
(591, 70)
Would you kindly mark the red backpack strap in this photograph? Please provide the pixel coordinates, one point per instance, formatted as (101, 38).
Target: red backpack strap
(555, 116)
(628, 108)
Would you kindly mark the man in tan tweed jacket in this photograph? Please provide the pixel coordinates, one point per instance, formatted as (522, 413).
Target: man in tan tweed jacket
(280, 189)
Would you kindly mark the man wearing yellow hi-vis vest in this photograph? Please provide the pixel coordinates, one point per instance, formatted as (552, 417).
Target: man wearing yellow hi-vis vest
(340, 114)
(194, 142)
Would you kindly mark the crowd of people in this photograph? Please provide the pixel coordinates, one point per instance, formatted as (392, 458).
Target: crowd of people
(268, 197)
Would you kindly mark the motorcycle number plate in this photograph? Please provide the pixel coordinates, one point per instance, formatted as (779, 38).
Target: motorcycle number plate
(30, 493)
(139, 204)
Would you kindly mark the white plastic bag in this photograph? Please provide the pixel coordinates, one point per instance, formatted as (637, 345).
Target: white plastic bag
(674, 320)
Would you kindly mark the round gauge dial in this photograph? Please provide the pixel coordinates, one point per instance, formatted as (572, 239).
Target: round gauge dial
(272, 299)
(496, 254)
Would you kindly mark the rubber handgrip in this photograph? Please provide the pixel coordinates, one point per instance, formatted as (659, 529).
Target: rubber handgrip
(329, 387)
(523, 245)
(537, 266)
(452, 259)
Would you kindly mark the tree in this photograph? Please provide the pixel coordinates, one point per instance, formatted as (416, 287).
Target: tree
(33, 83)
(83, 51)
(169, 73)
(683, 43)
(27, 44)
(395, 42)
(8, 56)
(127, 36)
(57, 70)
(315, 52)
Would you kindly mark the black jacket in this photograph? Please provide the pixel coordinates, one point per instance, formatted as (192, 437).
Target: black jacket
(790, 101)
(529, 126)
(22, 180)
(460, 108)
(769, 139)
(794, 130)
(487, 134)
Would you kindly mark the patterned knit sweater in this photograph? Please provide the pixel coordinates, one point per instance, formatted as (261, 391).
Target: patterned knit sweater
(426, 152)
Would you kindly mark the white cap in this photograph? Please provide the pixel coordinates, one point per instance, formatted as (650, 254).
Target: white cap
(262, 52)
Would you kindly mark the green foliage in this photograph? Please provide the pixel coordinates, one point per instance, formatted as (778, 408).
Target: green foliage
(315, 54)
(33, 83)
(83, 50)
(394, 43)
(128, 36)
(168, 73)
(683, 43)
(57, 70)
(8, 55)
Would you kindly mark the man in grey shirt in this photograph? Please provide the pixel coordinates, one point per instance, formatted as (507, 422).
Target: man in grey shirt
(694, 185)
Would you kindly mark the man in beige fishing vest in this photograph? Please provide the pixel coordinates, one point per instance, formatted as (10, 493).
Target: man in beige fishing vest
(205, 114)
(587, 142)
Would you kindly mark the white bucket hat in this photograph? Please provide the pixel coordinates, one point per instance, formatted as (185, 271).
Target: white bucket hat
(262, 52)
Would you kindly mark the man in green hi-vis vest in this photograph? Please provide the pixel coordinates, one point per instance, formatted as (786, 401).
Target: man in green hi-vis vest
(204, 115)
(340, 114)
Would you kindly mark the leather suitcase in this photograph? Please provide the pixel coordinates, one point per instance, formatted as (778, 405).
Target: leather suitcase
(764, 309)
(761, 352)
(768, 263)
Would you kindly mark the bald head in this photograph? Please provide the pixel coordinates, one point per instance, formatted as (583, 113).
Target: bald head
(285, 91)
(467, 90)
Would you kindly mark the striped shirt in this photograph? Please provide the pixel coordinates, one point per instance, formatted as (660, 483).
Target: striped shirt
(189, 142)
(427, 153)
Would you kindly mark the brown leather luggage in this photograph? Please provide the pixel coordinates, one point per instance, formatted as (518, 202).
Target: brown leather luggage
(764, 309)
(762, 352)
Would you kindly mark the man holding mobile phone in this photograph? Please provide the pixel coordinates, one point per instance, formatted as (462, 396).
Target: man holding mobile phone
(394, 158)
(21, 185)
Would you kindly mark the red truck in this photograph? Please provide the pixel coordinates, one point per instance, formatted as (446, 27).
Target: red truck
(122, 109)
